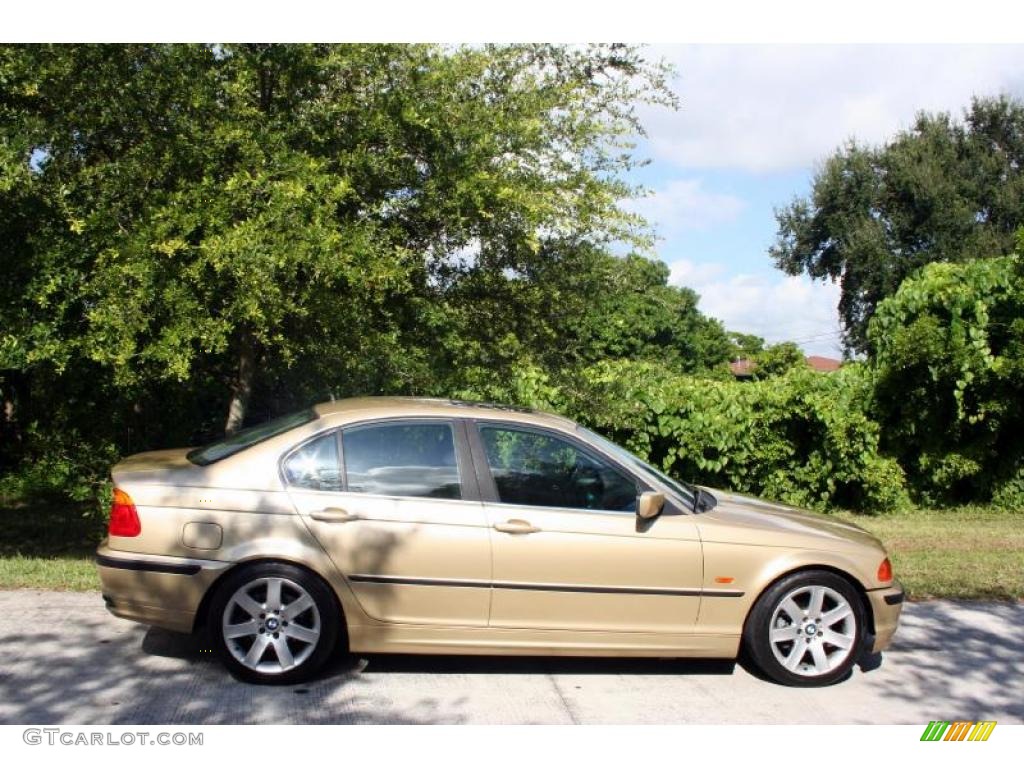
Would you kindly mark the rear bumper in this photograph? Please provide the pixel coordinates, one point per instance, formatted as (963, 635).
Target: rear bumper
(156, 590)
(886, 606)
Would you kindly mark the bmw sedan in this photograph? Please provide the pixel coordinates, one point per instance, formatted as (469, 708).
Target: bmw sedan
(409, 525)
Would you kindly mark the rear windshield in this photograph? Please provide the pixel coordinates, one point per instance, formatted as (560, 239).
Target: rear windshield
(248, 437)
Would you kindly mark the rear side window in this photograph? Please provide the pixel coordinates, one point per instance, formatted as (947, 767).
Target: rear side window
(247, 438)
(315, 465)
(402, 460)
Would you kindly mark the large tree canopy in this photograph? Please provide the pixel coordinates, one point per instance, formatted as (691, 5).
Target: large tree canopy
(635, 314)
(367, 215)
(944, 190)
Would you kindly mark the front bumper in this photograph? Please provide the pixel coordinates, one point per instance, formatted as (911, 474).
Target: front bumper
(886, 606)
(156, 590)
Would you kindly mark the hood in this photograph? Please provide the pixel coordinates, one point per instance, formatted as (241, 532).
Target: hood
(745, 519)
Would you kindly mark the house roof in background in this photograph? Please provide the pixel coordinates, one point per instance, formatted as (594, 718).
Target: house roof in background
(744, 367)
(824, 364)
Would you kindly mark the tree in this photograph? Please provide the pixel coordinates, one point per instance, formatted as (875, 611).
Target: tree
(777, 359)
(633, 313)
(226, 216)
(744, 346)
(949, 357)
(20, 207)
(944, 190)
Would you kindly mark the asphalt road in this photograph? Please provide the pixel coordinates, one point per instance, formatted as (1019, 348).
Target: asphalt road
(63, 659)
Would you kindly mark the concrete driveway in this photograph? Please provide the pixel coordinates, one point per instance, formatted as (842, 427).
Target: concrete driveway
(63, 659)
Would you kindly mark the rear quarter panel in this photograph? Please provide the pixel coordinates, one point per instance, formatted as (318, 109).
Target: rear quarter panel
(254, 525)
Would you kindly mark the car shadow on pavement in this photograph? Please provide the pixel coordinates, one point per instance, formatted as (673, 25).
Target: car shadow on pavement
(542, 665)
(161, 642)
(103, 671)
(71, 663)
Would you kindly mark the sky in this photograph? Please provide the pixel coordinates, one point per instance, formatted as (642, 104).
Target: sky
(753, 124)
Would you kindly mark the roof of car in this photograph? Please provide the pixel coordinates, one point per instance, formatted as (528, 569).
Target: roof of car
(389, 407)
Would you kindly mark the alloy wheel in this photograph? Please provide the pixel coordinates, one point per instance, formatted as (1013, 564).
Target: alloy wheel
(813, 630)
(271, 625)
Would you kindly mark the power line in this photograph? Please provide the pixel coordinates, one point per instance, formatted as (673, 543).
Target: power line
(818, 336)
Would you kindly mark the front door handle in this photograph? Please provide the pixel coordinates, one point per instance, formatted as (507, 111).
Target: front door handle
(333, 515)
(516, 526)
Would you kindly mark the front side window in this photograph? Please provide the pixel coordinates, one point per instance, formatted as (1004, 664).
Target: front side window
(315, 465)
(541, 470)
(402, 460)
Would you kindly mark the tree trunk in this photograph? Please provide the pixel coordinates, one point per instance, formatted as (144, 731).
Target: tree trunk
(241, 388)
(8, 432)
(10, 429)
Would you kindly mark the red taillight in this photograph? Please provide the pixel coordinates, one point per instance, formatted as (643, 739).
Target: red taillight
(124, 518)
(885, 571)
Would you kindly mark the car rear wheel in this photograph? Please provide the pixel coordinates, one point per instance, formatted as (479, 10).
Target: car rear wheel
(273, 623)
(807, 629)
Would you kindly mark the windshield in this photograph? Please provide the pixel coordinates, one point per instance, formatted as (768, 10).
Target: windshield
(681, 489)
(246, 438)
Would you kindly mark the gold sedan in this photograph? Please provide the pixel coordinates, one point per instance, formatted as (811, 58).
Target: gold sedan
(405, 525)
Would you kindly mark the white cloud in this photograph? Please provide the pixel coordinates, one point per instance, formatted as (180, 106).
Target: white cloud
(761, 108)
(686, 204)
(782, 308)
(770, 107)
(693, 273)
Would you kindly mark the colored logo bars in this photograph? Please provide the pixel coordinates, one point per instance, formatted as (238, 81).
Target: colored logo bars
(961, 730)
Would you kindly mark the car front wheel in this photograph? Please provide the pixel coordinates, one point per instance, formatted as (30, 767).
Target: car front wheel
(807, 629)
(273, 623)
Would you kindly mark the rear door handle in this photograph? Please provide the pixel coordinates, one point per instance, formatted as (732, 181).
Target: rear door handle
(516, 526)
(333, 515)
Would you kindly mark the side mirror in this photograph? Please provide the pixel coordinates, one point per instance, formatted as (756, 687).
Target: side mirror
(649, 504)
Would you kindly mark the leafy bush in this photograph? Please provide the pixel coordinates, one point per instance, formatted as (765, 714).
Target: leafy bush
(802, 437)
(65, 470)
(1009, 493)
(948, 350)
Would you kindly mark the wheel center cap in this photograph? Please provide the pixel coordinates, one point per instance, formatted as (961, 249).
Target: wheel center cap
(273, 623)
(811, 629)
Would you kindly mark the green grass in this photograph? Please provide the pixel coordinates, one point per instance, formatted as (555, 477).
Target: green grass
(64, 573)
(48, 545)
(970, 552)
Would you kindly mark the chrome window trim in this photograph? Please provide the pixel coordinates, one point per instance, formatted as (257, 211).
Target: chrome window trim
(567, 437)
(467, 481)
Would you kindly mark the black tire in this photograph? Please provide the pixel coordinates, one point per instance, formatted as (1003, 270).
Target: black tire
(758, 646)
(309, 655)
